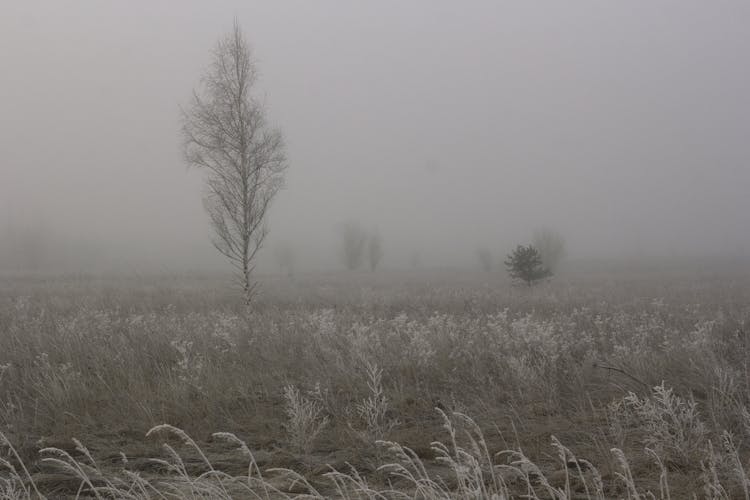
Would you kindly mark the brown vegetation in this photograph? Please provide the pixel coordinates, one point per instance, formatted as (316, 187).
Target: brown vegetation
(597, 386)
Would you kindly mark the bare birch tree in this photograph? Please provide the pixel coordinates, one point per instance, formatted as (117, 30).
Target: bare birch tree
(226, 134)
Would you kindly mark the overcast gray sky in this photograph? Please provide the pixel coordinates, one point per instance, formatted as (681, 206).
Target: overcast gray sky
(446, 125)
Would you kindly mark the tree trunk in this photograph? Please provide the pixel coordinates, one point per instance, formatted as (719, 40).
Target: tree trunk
(246, 288)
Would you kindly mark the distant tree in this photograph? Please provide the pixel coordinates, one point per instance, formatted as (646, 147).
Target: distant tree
(285, 257)
(485, 259)
(353, 239)
(551, 246)
(374, 250)
(25, 248)
(524, 264)
(32, 250)
(227, 135)
(415, 259)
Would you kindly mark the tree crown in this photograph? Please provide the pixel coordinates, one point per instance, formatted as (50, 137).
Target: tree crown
(524, 264)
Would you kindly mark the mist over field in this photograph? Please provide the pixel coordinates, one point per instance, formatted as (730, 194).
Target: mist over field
(388, 250)
(448, 127)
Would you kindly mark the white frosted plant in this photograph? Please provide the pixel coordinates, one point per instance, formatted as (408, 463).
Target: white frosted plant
(325, 322)
(305, 420)
(224, 332)
(189, 367)
(55, 382)
(416, 337)
(373, 411)
(670, 423)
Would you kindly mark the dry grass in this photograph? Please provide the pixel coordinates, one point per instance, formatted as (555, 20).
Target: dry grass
(616, 385)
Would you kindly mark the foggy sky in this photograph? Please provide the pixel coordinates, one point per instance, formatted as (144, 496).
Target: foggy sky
(445, 125)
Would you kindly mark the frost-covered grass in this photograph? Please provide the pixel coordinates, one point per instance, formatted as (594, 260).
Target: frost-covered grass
(369, 386)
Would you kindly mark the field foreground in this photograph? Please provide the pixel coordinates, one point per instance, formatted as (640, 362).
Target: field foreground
(410, 385)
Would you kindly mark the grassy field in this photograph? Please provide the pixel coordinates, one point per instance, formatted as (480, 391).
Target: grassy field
(625, 383)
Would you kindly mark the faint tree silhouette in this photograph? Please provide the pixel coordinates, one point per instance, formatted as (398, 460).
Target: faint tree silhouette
(353, 239)
(485, 259)
(551, 246)
(285, 257)
(374, 250)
